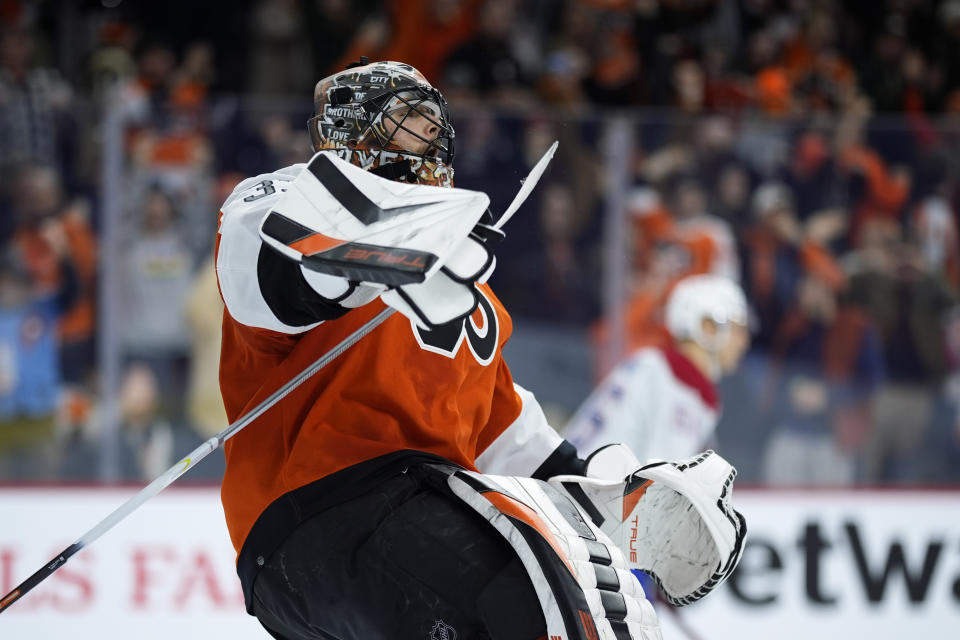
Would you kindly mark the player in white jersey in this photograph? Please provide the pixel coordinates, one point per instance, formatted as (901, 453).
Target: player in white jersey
(662, 401)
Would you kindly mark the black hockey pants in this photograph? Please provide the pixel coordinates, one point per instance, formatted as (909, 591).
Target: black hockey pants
(405, 561)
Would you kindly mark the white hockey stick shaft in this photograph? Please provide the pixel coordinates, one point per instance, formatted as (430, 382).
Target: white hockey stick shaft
(187, 463)
(527, 185)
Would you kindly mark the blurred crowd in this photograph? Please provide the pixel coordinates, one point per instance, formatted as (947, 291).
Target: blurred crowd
(808, 149)
(849, 258)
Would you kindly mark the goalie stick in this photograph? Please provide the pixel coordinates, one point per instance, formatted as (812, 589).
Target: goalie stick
(527, 185)
(215, 442)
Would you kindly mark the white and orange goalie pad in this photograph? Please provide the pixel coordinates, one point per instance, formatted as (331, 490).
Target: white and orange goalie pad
(581, 578)
(671, 519)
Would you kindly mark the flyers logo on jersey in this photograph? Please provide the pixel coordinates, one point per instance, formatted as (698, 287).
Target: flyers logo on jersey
(481, 332)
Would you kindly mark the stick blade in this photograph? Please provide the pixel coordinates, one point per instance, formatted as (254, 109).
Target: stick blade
(528, 184)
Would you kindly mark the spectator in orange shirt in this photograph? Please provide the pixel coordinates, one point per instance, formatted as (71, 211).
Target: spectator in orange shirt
(878, 191)
(773, 86)
(422, 33)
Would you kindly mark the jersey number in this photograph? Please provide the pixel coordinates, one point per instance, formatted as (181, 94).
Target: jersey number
(446, 339)
(264, 189)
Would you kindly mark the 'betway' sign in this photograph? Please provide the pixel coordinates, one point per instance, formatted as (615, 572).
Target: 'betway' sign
(818, 565)
(851, 564)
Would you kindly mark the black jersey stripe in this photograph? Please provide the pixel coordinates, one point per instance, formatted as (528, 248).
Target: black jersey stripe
(347, 194)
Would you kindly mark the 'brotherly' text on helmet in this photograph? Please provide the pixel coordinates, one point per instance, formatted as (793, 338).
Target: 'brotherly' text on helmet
(386, 118)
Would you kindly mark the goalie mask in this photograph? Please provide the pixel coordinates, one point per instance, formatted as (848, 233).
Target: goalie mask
(386, 118)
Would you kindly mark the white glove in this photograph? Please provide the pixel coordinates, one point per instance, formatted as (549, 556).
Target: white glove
(449, 294)
(672, 520)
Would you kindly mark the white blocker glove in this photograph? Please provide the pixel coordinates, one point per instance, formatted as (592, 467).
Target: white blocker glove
(450, 294)
(671, 519)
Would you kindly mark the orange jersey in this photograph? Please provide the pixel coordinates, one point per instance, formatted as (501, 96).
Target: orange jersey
(446, 392)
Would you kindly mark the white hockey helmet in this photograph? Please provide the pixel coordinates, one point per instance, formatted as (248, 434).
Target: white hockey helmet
(705, 296)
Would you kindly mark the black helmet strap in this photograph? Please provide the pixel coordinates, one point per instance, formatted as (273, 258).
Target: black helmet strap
(396, 171)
